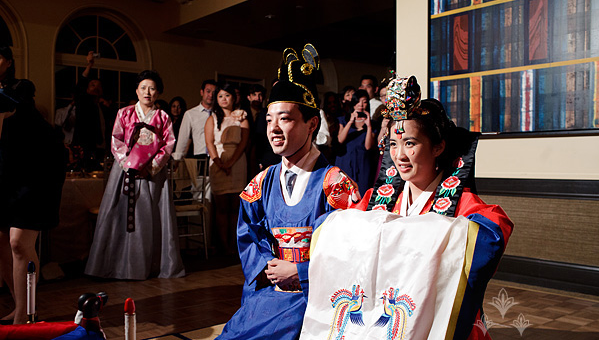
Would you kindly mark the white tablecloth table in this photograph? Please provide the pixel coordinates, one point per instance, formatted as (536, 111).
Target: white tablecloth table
(71, 239)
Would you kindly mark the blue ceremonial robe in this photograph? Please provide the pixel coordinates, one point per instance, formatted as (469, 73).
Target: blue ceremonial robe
(266, 311)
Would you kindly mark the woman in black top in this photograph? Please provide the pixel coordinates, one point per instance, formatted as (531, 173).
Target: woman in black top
(32, 171)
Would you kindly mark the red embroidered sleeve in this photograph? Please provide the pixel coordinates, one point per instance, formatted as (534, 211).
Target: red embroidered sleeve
(253, 191)
(340, 190)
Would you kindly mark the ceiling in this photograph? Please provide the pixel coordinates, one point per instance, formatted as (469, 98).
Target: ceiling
(360, 31)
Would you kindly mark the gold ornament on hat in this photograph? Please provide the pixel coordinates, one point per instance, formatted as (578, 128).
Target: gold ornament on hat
(307, 69)
(298, 85)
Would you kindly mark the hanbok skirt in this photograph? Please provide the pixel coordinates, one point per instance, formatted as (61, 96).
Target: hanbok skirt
(152, 249)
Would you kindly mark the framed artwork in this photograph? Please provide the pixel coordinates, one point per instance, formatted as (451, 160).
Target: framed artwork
(516, 65)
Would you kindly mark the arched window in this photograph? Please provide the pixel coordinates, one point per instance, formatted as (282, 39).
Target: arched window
(119, 58)
(12, 33)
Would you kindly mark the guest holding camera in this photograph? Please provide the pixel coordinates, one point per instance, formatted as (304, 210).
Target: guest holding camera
(357, 142)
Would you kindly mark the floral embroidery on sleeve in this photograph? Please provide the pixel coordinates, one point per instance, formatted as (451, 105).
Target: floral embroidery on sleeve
(253, 191)
(448, 189)
(385, 191)
(340, 190)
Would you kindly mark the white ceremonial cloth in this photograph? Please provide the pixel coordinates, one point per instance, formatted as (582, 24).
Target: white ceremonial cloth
(420, 256)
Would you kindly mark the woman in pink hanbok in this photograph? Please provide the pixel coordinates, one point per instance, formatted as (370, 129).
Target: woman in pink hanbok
(136, 233)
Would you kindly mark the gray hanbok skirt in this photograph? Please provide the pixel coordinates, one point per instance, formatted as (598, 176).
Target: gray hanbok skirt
(153, 248)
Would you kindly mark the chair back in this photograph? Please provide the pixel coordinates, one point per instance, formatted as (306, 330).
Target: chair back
(189, 184)
(189, 181)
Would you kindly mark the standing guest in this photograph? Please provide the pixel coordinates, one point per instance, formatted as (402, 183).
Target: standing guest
(377, 115)
(65, 120)
(93, 119)
(227, 134)
(136, 234)
(370, 84)
(178, 107)
(357, 142)
(64, 124)
(331, 109)
(255, 97)
(381, 121)
(346, 95)
(32, 172)
(383, 93)
(192, 125)
(265, 156)
(237, 103)
(256, 110)
(323, 137)
(281, 202)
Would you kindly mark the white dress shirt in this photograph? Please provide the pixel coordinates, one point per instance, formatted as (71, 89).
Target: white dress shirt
(323, 137)
(374, 104)
(303, 169)
(192, 126)
(60, 119)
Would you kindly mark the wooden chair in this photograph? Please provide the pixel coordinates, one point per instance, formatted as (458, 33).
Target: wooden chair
(189, 183)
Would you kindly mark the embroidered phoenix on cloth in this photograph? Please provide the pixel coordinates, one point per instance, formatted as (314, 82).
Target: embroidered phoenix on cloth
(376, 275)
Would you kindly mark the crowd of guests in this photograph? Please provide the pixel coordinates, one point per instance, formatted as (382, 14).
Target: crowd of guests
(351, 121)
(353, 118)
(229, 128)
(136, 232)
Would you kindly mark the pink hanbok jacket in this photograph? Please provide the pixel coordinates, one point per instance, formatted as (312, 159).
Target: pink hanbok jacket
(139, 141)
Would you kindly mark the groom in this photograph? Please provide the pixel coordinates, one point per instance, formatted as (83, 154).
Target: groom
(283, 206)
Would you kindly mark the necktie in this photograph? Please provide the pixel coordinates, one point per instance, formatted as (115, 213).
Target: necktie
(290, 177)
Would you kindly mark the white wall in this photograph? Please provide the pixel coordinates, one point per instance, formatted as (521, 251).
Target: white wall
(540, 158)
(411, 41)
